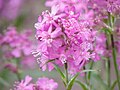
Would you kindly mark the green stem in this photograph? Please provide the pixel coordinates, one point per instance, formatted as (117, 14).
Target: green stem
(108, 72)
(108, 63)
(66, 74)
(89, 75)
(18, 74)
(114, 51)
(85, 76)
(115, 62)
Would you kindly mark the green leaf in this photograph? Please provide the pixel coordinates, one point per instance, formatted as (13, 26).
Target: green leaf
(71, 82)
(88, 71)
(107, 30)
(84, 86)
(61, 74)
(113, 85)
(91, 66)
(59, 71)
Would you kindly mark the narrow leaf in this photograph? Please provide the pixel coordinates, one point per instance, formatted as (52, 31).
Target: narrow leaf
(84, 87)
(71, 82)
(113, 85)
(61, 74)
(88, 71)
(59, 71)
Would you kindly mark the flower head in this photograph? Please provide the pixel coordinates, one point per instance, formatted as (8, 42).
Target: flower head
(24, 84)
(46, 84)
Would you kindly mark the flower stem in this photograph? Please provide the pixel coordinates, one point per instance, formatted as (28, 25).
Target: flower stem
(108, 72)
(114, 60)
(66, 72)
(108, 62)
(86, 81)
(89, 75)
(18, 74)
(114, 51)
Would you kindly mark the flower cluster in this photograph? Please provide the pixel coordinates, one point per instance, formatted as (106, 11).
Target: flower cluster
(41, 84)
(99, 7)
(67, 36)
(15, 45)
(105, 6)
(10, 8)
(80, 5)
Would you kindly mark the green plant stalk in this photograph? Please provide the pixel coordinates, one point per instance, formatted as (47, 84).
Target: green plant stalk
(66, 74)
(18, 74)
(108, 76)
(108, 72)
(89, 75)
(86, 81)
(114, 51)
(116, 66)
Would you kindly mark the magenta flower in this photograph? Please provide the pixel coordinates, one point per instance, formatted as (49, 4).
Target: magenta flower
(43, 83)
(68, 36)
(24, 84)
(46, 84)
(102, 7)
(80, 5)
(17, 45)
(10, 9)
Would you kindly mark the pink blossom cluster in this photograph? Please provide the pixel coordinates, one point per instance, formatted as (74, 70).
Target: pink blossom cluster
(10, 8)
(80, 5)
(43, 83)
(17, 45)
(67, 36)
(104, 6)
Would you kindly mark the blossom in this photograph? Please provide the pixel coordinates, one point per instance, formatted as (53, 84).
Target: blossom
(104, 6)
(80, 5)
(46, 84)
(67, 37)
(17, 45)
(42, 83)
(10, 9)
(24, 84)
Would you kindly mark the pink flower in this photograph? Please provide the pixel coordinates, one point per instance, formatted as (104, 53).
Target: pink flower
(67, 36)
(46, 84)
(17, 45)
(10, 9)
(24, 84)
(43, 83)
(80, 5)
